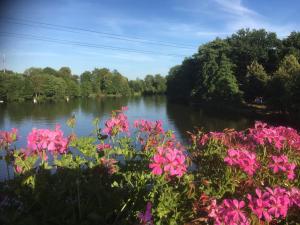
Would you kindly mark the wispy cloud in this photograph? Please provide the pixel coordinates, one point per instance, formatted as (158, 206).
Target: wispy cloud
(235, 7)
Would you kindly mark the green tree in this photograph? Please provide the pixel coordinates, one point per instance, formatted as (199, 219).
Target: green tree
(86, 84)
(291, 45)
(282, 86)
(256, 81)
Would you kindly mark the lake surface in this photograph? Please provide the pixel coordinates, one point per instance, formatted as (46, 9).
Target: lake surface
(178, 117)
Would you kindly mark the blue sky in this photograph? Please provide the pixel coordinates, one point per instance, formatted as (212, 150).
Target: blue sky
(183, 22)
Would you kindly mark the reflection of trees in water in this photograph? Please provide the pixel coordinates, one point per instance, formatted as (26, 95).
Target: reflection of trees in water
(100, 106)
(2, 114)
(18, 112)
(186, 117)
(154, 101)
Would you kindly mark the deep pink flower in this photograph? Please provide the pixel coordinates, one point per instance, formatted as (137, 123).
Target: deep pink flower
(230, 211)
(281, 164)
(243, 159)
(169, 161)
(117, 123)
(273, 203)
(8, 137)
(103, 146)
(149, 126)
(40, 140)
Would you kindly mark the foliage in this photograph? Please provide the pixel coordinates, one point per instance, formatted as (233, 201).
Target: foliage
(230, 177)
(256, 81)
(240, 68)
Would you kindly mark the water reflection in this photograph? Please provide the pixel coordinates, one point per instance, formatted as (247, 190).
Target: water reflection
(178, 117)
(185, 118)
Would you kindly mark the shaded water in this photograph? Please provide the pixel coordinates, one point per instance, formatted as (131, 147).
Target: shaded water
(177, 117)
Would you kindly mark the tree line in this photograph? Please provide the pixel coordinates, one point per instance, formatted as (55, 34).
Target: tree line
(248, 65)
(47, 83)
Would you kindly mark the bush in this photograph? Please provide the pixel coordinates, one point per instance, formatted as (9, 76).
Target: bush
(148, 177)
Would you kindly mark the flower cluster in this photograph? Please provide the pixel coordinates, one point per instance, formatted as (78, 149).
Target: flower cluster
(229, 138)
(281, 164)
(266, 205)
(149, 126)
(110, 164)
(261, 134)
(103, 146)
(8, 137)
(40, 140)
(243, 159)
(278, 137)
(270, 204)
(117, 123)
(171, 161)
(228, 212)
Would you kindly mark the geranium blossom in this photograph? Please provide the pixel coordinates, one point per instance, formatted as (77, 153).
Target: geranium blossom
(270, 204)
(103, 146)
(243, 159)
(8, 137)
(149, 126)
(262, 134)
(117, 123)
(40, 140)
(230, 211)
(110, 164)
(281, 164)
(168, 160)
(278, 137)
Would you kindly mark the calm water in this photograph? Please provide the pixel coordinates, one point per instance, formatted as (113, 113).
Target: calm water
(177, 117)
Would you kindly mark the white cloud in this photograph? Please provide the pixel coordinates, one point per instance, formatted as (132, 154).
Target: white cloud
(235, 7)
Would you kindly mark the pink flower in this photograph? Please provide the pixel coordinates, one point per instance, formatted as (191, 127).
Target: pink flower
(260, 205)
(294, 197)
(149, 126)
(170, 161)
(230, 211)
(279, 137)
(273, 203)
(8, 137)
(243, 159)
(109, 164)
(103, 146)
(146, 218)
(117, 123)
(281, 164)
(40, 140)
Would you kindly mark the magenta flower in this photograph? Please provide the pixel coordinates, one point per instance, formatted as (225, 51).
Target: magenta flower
(103, 146)
(146, 218)
(41, 140)
(170, 161)
(273, 203)
(260, 204)
(281, 164)
(230, 211)
(117, 123)
(8, 137)
(294, 194)
(149, 126)
(243, 159)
